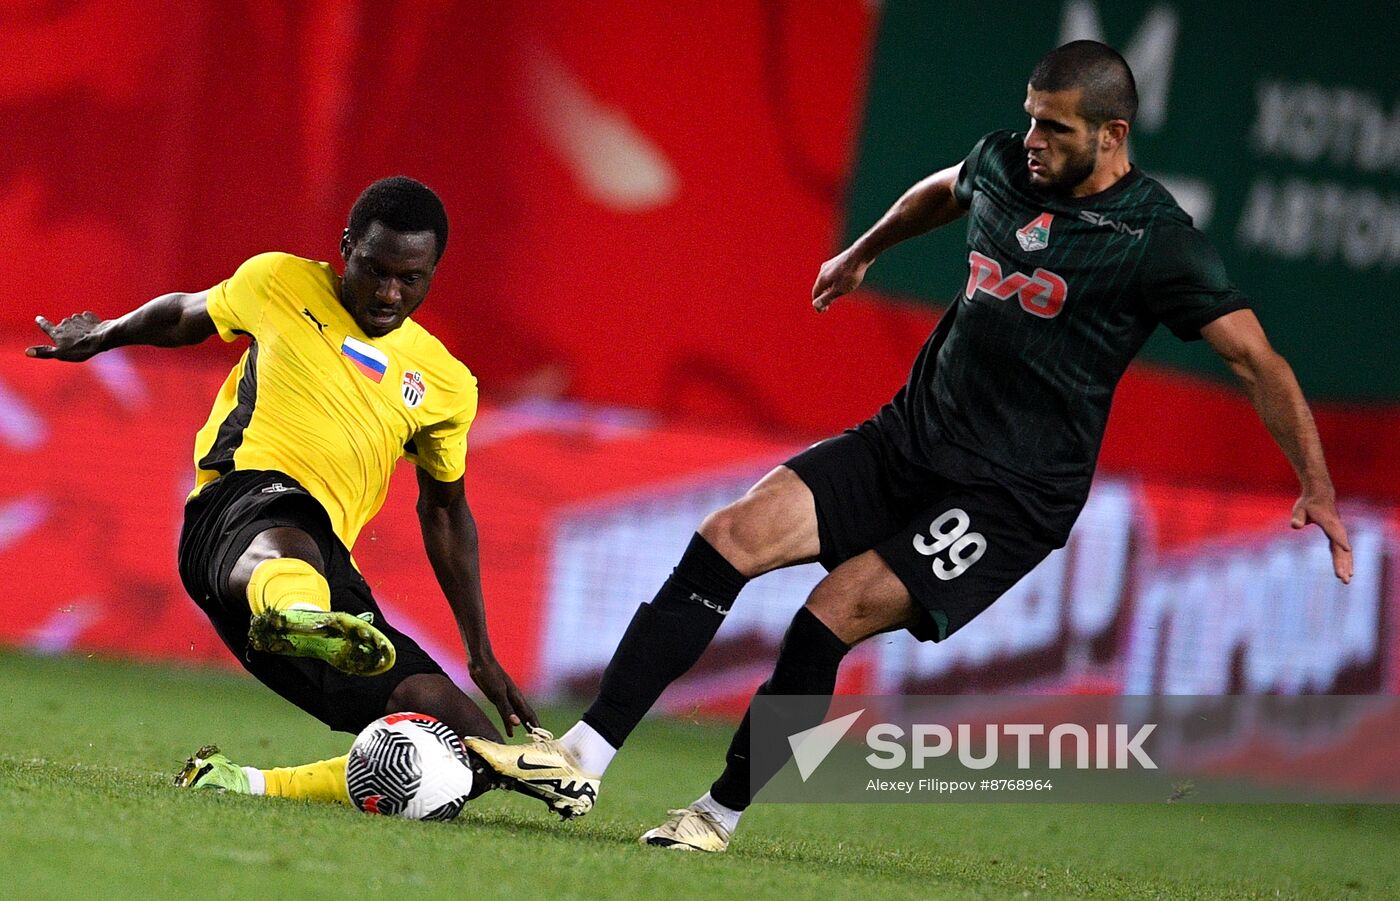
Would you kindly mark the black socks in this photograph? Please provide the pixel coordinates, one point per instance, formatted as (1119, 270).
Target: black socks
(807, 664)
(664, 639)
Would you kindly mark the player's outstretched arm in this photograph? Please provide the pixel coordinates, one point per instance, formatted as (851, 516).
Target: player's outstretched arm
(1274, 391)
(450, 538)
(171, 320)
(924, 207)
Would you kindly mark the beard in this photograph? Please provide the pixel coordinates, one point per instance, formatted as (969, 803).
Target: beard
(1076, 169)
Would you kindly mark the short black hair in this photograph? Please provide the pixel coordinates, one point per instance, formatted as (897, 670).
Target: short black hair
(1096, 69)
(403, 204)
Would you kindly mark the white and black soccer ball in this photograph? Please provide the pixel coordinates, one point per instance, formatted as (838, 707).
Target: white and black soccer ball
(409, 765)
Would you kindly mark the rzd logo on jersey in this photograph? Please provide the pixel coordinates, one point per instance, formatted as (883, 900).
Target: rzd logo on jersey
(1042, 293)
(413, 388)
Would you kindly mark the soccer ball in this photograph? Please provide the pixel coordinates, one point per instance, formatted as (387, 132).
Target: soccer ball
(409, 765)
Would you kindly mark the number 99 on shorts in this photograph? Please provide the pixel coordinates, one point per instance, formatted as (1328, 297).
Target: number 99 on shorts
(949, 532)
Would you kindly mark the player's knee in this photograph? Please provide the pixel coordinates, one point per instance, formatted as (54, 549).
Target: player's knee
(739, 536)
(437, 696)
(855, 609)
(851, 620)
(274, 544)
(422, 693)
(832, 603)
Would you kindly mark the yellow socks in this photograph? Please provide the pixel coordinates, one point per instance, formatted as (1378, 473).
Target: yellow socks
(320, 781)
(287, 583)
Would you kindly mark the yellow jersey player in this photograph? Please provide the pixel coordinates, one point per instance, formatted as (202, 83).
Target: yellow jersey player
(338, 382)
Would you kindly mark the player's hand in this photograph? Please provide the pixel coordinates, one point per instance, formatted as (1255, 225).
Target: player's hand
(75, 339)
(1320, 508)
(839, 275)
(500, 690)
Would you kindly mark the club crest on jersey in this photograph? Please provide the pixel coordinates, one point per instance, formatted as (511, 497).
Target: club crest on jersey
(370, 360)
(413, 388)
(1035, 235)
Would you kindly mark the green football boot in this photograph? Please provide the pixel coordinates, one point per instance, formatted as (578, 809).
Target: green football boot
(351, 644)
(210, 769)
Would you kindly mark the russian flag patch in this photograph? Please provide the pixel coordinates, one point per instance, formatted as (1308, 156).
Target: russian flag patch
(367, 358)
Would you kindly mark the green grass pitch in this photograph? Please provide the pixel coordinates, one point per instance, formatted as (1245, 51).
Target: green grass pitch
(87, 748)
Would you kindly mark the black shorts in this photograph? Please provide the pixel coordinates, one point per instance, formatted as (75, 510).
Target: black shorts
(957, 547)
(220, 523)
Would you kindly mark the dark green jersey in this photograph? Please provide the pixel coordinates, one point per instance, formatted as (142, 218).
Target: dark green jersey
(1015, 383)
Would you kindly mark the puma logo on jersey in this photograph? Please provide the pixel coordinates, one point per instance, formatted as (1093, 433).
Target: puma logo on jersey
(1035, 235)
(320, 326)
(1094, 218)
(1043, 293)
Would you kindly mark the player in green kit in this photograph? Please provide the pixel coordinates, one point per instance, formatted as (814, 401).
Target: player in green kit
(977, 469)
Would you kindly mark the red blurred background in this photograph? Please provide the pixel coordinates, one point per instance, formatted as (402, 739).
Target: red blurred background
(640, 199)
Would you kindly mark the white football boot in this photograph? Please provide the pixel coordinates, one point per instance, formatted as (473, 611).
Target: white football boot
(544, 769)
(689, 829)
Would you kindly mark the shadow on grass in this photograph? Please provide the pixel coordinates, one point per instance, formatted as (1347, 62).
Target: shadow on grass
(549, 826)
(616, 833)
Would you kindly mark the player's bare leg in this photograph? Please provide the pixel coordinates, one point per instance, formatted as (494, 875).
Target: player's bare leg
(862, 598)
(858, 599)
(772, 526)
(438, 696)
(275, 543)
(282, 575)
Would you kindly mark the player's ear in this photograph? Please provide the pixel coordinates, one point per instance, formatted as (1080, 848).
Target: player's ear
(345, 245)
(1113, 134)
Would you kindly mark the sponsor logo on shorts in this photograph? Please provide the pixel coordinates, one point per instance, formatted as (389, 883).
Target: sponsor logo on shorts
(413, 388)
(275, 488)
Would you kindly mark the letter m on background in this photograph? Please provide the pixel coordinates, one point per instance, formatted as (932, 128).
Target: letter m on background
(1150, 54)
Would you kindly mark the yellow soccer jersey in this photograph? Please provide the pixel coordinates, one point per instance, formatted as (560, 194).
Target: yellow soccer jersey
(316, 398)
